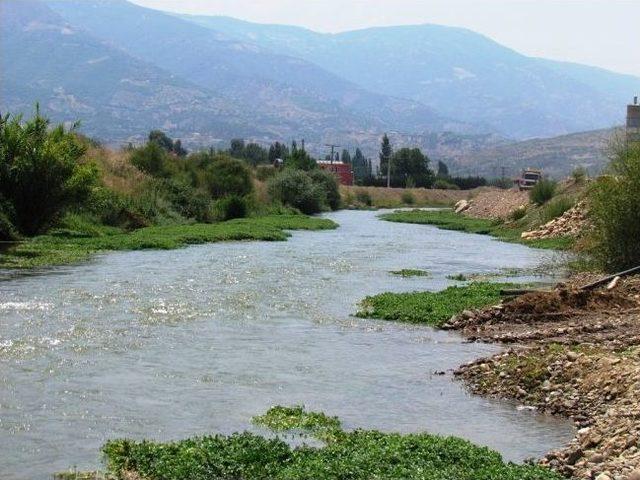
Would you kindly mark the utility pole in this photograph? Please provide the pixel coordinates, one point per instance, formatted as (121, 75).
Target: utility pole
(333, 147)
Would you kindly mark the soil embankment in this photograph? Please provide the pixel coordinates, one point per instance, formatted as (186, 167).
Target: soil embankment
(572, 352)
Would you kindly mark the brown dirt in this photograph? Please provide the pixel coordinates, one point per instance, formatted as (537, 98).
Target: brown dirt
(496, 203)
(574, 353)
(392, 197)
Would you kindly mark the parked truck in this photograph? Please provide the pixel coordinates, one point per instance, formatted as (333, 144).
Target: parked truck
(529, 178)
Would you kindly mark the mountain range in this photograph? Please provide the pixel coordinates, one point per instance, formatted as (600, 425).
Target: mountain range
(123, 70)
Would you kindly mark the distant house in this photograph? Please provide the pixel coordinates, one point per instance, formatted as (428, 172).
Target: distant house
(343, 171)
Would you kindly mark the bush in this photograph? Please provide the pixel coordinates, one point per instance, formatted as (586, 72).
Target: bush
(518, 213)
(227, 176)
(231, 207)
(7, 229)
(543, 191)
(151, 159)
(188, 201)
(265, 172)
(41, 175)
(556, 208)
(614, 206)
(442, 184)
(364, 197)
(296, 189)
(579, 175)
(408, 198)
(329, 185)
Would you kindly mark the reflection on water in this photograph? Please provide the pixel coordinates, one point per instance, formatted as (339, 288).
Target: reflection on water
(168, 344)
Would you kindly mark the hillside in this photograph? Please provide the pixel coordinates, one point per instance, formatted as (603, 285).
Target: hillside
(282, 94)
(459, 73)
(77, 77)
(557, 156)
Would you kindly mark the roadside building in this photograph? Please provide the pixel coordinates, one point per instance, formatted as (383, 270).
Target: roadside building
(343, 171)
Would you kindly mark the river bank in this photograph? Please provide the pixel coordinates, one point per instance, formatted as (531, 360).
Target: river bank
(577, 354)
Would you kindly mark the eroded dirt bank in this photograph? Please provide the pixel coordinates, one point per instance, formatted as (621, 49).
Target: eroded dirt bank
(575, 353)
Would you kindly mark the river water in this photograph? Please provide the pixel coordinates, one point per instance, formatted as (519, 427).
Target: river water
(169, 344)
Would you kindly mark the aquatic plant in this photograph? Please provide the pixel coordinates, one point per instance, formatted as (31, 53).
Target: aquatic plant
(355, 455)
(432, 308)
(410, 272)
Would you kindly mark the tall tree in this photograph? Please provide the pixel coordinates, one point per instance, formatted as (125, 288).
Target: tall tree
(443, 170)
(278, 151)
(411, 166)
(346, 156)
(385, 158)
(236, 149)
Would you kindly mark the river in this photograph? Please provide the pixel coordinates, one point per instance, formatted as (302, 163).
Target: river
(170, 344)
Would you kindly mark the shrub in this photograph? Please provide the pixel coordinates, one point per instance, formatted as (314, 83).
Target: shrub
(151, 159)
(556, 208)
(227, 176)
(265, 172)
(408, 198)
(188, 201)
(579, 175)
(40, 172)
(329, 185)
(518, 213)
(296, 189)
(7, 229)
(442, 184)
(543, 191)
(231, 207)
(364, 197)
(614, 206)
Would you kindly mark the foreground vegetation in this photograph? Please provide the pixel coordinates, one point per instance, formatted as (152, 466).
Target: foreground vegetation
(431, 308)
(66, 246)
(354, 455)
(448, 220)
(63, 197)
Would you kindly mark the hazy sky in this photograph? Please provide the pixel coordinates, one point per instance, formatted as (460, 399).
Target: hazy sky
(604, 33)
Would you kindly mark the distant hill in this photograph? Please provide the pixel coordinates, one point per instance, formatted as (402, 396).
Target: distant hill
(459, 73)
(278, 93)
(557, 156)
(78, 77)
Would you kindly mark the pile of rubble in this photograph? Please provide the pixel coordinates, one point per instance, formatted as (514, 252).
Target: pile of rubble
(570, 224)
(496, 203)
(577, 355)
(599, 390)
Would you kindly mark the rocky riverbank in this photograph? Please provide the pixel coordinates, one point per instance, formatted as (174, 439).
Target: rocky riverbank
(574, 353)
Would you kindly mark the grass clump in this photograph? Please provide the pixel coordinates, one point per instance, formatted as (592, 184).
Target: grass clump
(408, 198)
(62, 247)
(356, 455)
(410, 272)
(448, 220)
(543, 191)
(432, 308)
(459, 277)
(555, 208)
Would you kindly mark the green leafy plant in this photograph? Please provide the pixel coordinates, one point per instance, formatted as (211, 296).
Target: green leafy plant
(41, 173)
(408, 198)
(429, 307)
(543, 191)
(556, 208)
(410, 272)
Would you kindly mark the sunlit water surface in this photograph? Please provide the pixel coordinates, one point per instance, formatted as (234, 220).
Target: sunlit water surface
(169, 344)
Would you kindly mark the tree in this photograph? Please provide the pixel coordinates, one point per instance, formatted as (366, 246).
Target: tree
(161, 139)
(236, 149)
(178, 149)
(299, 159)
(411, 167)
(151, 159)
(385, 158)
(443, 170)
(41, 172)
(255, 154)
(228, 176)
(346, 156)
(278, 151)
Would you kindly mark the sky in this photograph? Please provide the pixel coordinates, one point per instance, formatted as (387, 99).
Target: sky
(603, 33)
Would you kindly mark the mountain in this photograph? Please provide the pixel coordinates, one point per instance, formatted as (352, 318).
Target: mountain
(77, 77)
(557, 156)
(457, 72)
(282, 93)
